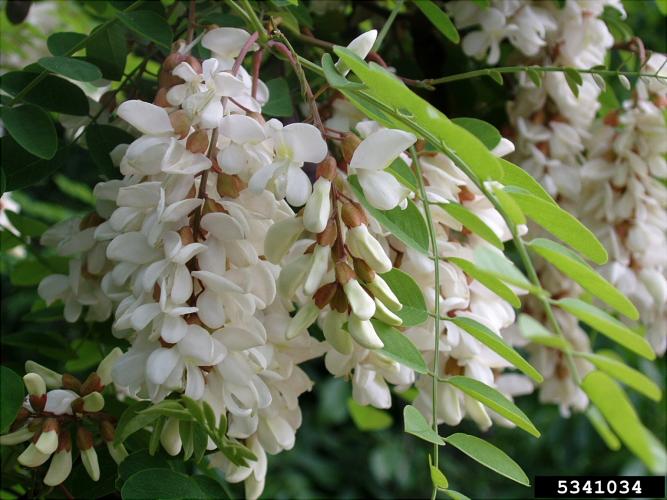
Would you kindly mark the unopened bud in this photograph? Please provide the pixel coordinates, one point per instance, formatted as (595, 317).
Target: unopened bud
(363, 270)
(91, 463)
(70, 382)
(91, 384)
(318, 207)
(352, 215)
(382, 291)
(332, 328)
(18, 436)
(170, 437)
(324, 295)
(48, 439)
(280, 237)
(350, 144)
(344, 273)
(304, 317)
(197, 142)
(53, 380)
(362, 304)
(181, 122)
(35, 384)
(32, 457)
(84, 439)
(363, 245)
(327, 168)
(93, 402)
(363, 332)
(106, 365)
(384, 314)
(107, 430)
(318, 268)
(59, 468)
(328, 236)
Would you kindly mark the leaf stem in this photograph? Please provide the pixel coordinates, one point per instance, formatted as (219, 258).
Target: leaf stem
(387, 25)
(436, 319)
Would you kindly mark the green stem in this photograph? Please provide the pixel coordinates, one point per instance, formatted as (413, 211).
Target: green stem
(43, 74)
(519, 69)
(254, 20)
(436, 320)
(387, 25)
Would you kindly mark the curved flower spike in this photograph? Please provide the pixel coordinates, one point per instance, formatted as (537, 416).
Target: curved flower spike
(369, 161)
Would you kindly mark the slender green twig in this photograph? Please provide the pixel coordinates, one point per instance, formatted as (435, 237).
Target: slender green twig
(436, 320)
(43, 74)
(387, 25)
(520, 69)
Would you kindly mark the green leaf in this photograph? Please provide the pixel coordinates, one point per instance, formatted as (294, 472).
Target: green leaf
(402, 172)
(409, 294)
(515, 176)
(602, 427)
(280, 101)
(496, 264)
(47, 343)
(16, 162)
(52, 93)
(439, 19)
(607, 326)
(101, 140)
(616, 408)
(472, 222)
(496, 76)
(75, 69)
(333, 76)
(11, 397)
(367, 418)
(140, 460)
(573, 79)
(132, 420)
(154, 440)
(576, 269)
(488, 280)
(484, 131)
(662, 6)
(494, 400)
(28, 272)
(625, 374)
(168, 408)
(60, 44)
(489, 456)
(509, 206)
(497, 345)
(148, 25)
(534, 76)
(107, 49)
(537, 334)
(407, 225)
(561, 224)
(414, 423)
(399, 347)
(209, 487)
(76, 190)
(26, 225)
(438, 479)
(33, 129)
(385, 87)
(455, 495)
(160, 483)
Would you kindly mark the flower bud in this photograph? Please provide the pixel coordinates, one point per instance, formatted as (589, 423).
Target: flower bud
(47, 442)
(382, 291)
(106, 365)
(363, 332)
(325, 294)
(350, 144)
(170, 437)
(34, 384)
(327, 168)
(71, 383)
(84, 440)
(328, 235)
(363, 270)
(293, 275)
(280, 237)
(332, 328)
(304, 317)
(363, 306)
(59, 469)
(353, 215)
(18, 436)
(53, 380)
(93, 402)
(383, 313)
(197, 142)
(117, 452)
(181, 122)
(362, 244)
(32, 457)
(318, 207)
(91, 384)
(318, 268)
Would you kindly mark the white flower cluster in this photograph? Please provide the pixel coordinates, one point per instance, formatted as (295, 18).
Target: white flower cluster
(199, 258)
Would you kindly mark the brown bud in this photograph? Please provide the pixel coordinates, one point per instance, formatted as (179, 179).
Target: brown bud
(325, 294)
(181, 123)
(327, 168)
(350, 144)
(91, 384)
(363, 270)
(344, 273)
(230, 185)
(339, 301)
(197, 142)
(328, 236)
(71, 383)
(107, 430)
(64, 441)
(161, 98)
(37, 402)
(353, 215)
(90, 220)
(194, 62)
(84, 439)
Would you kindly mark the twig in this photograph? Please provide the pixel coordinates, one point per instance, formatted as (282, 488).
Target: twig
(202, 184)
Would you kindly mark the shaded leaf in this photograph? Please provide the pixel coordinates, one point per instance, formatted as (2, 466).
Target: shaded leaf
(33, 129)
(415, 424)
(399, 347)
(409, 294)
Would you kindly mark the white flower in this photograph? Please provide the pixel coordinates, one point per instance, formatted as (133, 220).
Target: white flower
(244, 145)
(148, 118)
(225, 44)
(369, 161)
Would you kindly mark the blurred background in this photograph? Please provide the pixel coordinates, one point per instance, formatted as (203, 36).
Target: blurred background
(332, 457)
